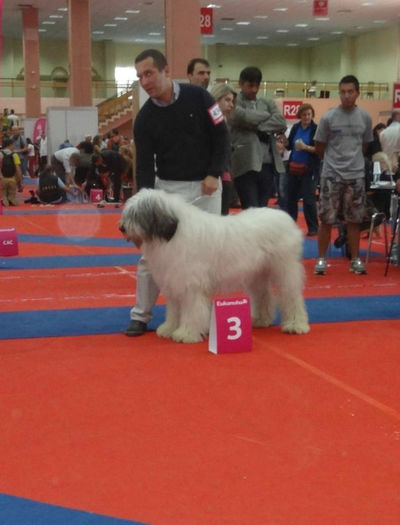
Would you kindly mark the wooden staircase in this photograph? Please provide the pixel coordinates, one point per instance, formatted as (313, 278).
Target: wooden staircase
(116, 111)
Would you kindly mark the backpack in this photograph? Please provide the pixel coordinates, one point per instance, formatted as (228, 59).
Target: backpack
(8, 167)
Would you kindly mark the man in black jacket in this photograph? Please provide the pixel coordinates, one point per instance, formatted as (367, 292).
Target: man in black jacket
(113, 164)
(180, 134)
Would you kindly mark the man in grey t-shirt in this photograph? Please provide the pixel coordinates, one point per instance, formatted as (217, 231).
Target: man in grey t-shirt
(340, 140)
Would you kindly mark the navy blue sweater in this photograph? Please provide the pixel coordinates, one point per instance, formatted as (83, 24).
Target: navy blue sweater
(182, 139)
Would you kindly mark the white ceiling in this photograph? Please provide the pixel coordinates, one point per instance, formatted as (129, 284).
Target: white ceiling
(267, 26)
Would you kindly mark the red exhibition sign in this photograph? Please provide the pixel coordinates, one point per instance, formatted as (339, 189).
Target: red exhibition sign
(320, 8)
(290, 109)
(206, 21)
(396, 95)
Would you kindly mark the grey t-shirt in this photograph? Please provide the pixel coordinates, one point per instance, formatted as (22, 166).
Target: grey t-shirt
(344, 133)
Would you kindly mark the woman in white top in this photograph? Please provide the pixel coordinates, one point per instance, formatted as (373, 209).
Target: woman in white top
(31, 158)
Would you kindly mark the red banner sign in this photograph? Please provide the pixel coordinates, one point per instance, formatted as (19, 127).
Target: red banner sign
(290, 109)
(206, 21)
(320, 8)
(396, 95)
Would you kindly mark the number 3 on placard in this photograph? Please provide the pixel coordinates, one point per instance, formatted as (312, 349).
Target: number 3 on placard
(235, 321)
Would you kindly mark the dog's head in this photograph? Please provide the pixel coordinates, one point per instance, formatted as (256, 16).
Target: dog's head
(148, 216)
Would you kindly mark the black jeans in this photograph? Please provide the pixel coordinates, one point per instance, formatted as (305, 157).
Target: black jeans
(255, 187)
(303, 186)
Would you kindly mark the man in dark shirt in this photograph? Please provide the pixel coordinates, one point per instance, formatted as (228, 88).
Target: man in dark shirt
(112, 163)
(179, 133)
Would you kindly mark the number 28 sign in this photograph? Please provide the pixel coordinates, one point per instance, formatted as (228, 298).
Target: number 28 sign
(206, 21)
(230, 329)
(290, 108)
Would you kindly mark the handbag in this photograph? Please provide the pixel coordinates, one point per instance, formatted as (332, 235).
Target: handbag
(297, 168)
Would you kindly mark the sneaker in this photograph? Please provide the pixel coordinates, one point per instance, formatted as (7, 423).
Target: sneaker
(320, 266)
(356, 266)
(136, 328)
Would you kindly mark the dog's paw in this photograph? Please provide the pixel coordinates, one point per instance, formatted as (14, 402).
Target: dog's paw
(165, 330)
(296, 327)
(182, 335)
(261, 322)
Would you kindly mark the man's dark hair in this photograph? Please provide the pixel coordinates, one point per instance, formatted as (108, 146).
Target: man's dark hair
(193, 62)
(350, 79)
(7, 142)
(251, 74)
(158, 58)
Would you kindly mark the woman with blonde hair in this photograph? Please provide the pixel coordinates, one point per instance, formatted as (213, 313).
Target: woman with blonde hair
(225, 96)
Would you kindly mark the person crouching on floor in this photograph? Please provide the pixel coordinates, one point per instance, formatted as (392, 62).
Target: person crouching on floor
(51, 189)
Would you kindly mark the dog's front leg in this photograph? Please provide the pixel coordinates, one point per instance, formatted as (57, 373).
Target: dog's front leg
(171, 322)
(194, 319)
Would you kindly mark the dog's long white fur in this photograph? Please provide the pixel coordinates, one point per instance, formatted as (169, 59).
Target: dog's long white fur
(194, 255)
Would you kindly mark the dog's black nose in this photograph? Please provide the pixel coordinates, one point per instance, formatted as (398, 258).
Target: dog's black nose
(122, 229)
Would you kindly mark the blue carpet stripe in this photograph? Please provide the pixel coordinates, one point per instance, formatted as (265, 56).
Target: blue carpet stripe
(96, 321)
(20, 511)
(68, 261)
(75, 240)
(79, 261)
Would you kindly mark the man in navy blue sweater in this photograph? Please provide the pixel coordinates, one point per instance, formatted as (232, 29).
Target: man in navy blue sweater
(181, 143)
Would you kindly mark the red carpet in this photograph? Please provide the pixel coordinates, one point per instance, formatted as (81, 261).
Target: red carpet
(302, 430)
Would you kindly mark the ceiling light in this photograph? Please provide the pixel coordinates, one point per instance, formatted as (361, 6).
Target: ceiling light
(215, 6)
(56, 16)
(313, 38)
(322, 19)
(110, 25)
(367, 4)
(132, 11)
(47, 22)
(292, 44)
(62, 9)
(154, 34)
(261, 16)
(243, 44)
(226, 28)
(337, 32)
(261, 37)
(120, 18)
(282, 9)
(379, 21)
(282, 30)
(243, 23)
(42, 30)
(301, 25)
(97, 32)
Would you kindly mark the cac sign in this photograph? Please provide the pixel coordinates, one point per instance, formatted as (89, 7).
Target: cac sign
(290, 109)
(396, 95)
(206, 21)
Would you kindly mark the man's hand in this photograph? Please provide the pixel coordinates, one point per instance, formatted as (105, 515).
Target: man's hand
(209, 185)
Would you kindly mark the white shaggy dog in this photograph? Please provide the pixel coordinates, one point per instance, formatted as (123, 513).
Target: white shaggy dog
(194, 255)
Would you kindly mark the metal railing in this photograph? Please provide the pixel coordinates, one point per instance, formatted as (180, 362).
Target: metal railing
(293, 89)
(12, 87)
